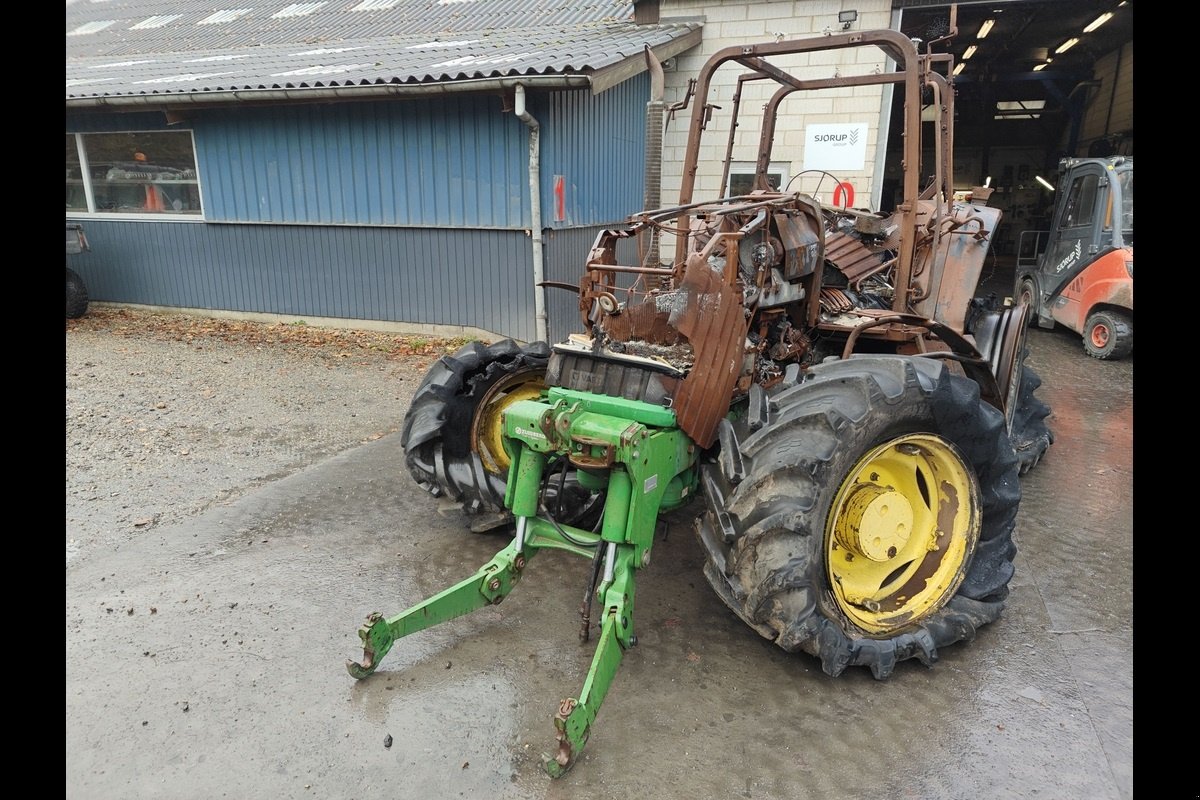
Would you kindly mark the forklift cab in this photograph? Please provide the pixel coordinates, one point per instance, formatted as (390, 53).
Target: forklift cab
(1081, 270)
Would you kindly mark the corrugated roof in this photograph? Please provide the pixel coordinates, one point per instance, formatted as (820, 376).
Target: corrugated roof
(158, 48)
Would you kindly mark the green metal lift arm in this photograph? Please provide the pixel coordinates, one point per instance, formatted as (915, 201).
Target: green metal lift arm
(645, 464)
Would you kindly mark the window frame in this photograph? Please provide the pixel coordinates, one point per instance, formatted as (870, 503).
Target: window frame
(127, 216)
(1084, 188)
(750, 168)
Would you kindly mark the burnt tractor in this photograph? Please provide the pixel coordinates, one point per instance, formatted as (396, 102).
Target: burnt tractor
(852, 417)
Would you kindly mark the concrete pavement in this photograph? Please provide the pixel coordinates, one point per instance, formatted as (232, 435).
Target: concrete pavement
(206, 660)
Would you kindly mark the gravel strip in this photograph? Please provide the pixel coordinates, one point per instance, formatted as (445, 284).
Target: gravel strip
(168, 414)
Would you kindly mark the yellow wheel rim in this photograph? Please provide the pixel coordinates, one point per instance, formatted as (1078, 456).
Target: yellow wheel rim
(901, 532)
(487, 432)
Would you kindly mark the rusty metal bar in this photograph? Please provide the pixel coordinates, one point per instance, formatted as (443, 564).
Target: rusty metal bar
(893, 43)
(596, 265)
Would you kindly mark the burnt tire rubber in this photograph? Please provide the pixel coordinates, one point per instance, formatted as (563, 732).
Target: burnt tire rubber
(77, 296)
(1108, 335)
(1030, 434)
(446, 450)
(771, 534)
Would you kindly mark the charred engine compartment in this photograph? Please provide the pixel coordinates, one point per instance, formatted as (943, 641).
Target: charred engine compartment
(754, 281)
(758, 286)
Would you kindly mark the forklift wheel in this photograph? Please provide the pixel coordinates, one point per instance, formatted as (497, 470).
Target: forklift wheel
(1108, 335)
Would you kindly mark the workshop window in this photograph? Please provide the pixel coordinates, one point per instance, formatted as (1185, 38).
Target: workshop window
(133, 173)
(76, 196)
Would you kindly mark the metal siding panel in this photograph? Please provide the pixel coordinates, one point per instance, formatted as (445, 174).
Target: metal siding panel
(478, 278)
(267, 162)
(366, 161)
(380, 180)
(242, 167)
(423, 155)
(231, 194)
(598, 144)
(519, 202)
(494, 194)
(451, 183)
(341, 159)
(388, 268)
(318, 170)
(305, 172)
(435, 178)
(452, 164)
(293, 190)
(412, 174)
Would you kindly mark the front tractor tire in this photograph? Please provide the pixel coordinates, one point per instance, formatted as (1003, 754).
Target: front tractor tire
(452, 432)
(1108, 335)
(867, 516)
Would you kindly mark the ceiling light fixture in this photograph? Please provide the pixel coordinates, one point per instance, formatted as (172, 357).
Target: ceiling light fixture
(970, 51)
(1098, 21)
(1065, 46)
(986, 28)
(959, 68)
(1041, 67)
(1043, 182)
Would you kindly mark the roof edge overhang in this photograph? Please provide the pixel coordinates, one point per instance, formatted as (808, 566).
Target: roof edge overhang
(607, 77)
(326, 93)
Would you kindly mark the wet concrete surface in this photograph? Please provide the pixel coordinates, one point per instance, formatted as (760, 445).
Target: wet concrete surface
(207, 660)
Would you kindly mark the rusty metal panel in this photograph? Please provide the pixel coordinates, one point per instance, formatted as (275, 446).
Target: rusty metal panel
(713, 321)
(648, 320)
(852, 258)
(801, 237)
(964, 243)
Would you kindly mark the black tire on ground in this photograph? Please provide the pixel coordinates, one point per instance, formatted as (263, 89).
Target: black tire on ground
(1027, 293)
(443, 455)
(1108, 335)
(771, 492)
(77, 296)
(1030, 434)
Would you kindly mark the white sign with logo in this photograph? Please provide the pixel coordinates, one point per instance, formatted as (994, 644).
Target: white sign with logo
(836, 146)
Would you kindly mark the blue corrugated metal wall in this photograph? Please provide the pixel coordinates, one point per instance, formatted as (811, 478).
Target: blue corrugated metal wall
(418, 275)
(440, 189)
(456, 161)
(597, 143)
(450, 162)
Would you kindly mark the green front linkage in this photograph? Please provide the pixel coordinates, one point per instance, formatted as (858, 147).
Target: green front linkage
(635, 453)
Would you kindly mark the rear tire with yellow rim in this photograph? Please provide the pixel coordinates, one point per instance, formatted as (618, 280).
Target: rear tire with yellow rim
(868, 518)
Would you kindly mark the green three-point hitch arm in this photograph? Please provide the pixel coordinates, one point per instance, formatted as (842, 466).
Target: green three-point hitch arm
(633, 452)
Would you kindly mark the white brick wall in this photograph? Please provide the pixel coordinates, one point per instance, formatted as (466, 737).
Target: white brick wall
(734, 23)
